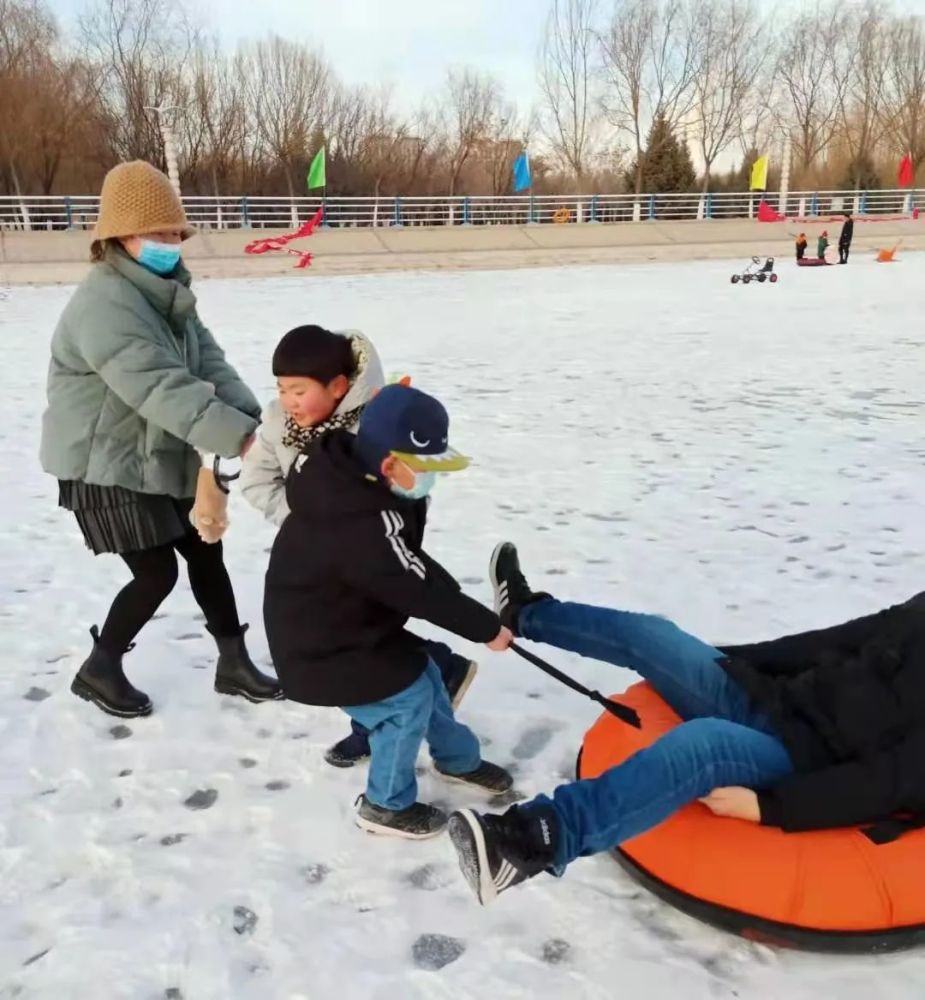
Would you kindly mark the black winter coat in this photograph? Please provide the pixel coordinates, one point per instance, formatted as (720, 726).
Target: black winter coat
(847, 233)
(849, 704)
(346, 573)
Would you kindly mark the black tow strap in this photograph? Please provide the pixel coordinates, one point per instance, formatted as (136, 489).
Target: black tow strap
(623, 712)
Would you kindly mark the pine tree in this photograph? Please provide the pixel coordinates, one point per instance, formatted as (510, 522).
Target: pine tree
(667, 164)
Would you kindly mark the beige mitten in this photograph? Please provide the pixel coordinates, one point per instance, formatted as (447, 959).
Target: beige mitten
(209, 515)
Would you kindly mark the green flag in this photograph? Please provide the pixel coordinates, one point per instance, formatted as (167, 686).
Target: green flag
(316, 173)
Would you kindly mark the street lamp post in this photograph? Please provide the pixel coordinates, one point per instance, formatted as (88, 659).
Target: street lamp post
(165, 115)
(785, 174)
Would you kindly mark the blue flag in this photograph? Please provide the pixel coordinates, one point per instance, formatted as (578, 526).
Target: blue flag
(522, 176)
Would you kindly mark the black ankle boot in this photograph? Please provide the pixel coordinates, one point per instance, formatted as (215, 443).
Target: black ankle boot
(102, 681)
(236, 674)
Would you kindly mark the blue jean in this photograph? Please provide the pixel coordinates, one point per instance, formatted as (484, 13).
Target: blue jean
(723, 741)
(398, 725)
(445, 659)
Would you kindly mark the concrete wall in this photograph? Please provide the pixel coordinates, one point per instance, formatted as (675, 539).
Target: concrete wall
(60, 257)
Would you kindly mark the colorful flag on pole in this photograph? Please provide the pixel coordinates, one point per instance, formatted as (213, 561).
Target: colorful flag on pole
(760, 174)
(523, 178)
(316, 173)
(906, 174)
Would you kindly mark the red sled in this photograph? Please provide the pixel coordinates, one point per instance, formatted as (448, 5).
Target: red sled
(813, 262)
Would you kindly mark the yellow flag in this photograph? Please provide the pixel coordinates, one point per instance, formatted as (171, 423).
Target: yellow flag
(760, 174)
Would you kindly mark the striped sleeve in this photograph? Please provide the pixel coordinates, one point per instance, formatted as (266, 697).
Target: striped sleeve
(388, 567)
(394, 523)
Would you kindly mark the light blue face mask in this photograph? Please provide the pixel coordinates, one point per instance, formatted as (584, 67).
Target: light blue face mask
(423, 484)
(161, 258)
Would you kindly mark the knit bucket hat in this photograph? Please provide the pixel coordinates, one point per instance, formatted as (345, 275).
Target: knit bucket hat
(137, 199)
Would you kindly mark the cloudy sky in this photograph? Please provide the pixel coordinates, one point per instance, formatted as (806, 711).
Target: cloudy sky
(408, 42)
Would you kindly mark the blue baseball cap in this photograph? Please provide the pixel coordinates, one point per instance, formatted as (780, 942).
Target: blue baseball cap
(414, 427)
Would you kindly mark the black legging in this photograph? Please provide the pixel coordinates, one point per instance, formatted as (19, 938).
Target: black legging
(154, 575)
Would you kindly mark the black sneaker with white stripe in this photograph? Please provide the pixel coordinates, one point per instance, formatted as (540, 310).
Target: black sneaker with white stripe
(487, 777)
(512, 592)
(498, 852)
(419, 821)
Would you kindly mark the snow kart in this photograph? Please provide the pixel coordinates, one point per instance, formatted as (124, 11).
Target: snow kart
(758, 270)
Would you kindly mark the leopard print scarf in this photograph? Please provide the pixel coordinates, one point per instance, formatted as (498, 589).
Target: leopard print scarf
(298, 437)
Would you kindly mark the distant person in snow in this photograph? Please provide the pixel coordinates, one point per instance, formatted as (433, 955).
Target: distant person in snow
(138, 393)
(818, 730)
(346, 573)
(845, 238)
(822, 244)
(801, 246)
(324, 381)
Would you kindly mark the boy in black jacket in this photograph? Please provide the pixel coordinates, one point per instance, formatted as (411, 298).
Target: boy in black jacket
(821, 729)
(346, 573)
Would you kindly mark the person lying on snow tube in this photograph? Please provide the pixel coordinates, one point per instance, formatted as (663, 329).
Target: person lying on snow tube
(811, 731)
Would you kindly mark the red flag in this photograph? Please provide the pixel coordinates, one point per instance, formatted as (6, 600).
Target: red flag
(767, 214)
(906, 174)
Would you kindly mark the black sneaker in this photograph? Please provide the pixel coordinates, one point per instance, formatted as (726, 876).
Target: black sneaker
(351, 750)
(497, 852)
(458, 678)
(487, 777)
(418, 822)
(512, 592)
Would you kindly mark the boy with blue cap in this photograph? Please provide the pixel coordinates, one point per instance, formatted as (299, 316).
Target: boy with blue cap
(346, 573)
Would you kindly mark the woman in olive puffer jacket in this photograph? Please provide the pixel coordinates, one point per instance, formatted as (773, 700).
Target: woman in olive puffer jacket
(138, 394)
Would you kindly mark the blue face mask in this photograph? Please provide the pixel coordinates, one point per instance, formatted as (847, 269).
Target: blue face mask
(161, 258)
(423, 484)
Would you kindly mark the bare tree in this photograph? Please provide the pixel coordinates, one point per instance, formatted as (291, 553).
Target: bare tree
(287, 87)
(812, 80)
(649, 64)
(139, 49)
(214, 128)
(471, 106)
(732, 48)
(863, 74)
(904, 105)
(566, 71)
(27, 34)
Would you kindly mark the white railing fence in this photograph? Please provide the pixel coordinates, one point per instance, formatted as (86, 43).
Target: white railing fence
(59, 212)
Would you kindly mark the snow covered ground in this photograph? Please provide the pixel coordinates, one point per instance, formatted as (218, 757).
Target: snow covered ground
(745, 459)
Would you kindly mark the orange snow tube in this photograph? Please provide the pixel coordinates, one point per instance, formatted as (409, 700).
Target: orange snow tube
(831, 890)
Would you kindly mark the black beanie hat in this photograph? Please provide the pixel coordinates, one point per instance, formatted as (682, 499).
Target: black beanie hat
(316, 353)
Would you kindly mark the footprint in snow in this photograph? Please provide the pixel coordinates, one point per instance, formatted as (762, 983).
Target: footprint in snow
(120, 732)
(276, 786)
(36, 694)
(204, 798)
(314, 874)
(430, 878)
(555, 951)
(245, 920)
(532, 742)
(436, 951)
